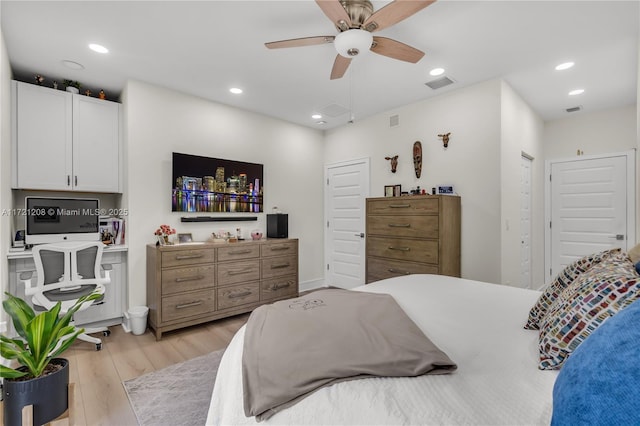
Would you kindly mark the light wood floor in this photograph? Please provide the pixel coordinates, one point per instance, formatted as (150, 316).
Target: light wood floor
(100, 398)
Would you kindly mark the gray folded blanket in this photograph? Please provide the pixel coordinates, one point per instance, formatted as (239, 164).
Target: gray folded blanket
(297, 346)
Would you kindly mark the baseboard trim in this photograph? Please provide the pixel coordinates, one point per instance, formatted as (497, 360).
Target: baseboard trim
(312, 285)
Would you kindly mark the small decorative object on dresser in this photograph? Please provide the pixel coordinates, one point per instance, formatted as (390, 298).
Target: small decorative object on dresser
(389, 190)
(162, 233)
(185, 238)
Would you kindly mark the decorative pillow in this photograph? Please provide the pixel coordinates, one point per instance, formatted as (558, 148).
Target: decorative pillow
(562, 281)
(598, 384)
(591, 299)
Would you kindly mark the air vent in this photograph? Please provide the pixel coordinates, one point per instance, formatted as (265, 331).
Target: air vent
(394, 120)
(439, 82)
(574, 109)
(333, 110)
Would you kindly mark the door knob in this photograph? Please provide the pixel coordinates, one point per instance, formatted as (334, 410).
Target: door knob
(619, 237)
(361, 235)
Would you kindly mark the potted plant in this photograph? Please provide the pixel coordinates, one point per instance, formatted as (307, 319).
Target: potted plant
(41, 379)
(72, 86)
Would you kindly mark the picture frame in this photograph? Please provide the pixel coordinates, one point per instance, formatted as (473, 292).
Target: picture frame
(389, 190)
(397, 190)
(185, 238)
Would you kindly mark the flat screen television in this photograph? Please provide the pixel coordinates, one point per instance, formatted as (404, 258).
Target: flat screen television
(51, 220)
(215, 185)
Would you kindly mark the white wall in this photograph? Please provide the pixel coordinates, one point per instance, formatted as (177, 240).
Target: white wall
(471, 163)
(5, 166)
(160, 121)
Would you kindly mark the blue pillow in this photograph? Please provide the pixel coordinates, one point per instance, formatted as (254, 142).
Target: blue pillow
(599, 383)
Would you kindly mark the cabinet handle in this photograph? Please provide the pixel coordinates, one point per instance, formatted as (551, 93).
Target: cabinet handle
(75, 179)
(183, 279)
(239, 271)
(399, 206)
(395, 271)
(280, 266)
(191, 256)
(277, 287)
(189, 305)
(279, 248)
(400, 225)
(399, 248)
(240, 252)
(68, 180)
(236, 295)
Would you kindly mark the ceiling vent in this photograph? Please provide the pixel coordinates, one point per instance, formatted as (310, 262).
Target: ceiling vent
(333, 110)
(574, 109)
(439, 82)
(394, 120)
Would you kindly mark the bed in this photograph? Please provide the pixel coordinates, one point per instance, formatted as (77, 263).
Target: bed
(478, 325)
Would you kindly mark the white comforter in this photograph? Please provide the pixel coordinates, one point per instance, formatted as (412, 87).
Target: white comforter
(479, 325)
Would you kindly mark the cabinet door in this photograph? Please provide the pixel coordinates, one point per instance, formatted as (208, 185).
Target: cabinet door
(96, 144)
(42, 138)
(111, 306)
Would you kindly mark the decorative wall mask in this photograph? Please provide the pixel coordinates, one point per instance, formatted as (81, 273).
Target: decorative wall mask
(417, 158)
(445, 139)
(394, 162)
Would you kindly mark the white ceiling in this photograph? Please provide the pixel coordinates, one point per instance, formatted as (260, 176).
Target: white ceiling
(205, 47)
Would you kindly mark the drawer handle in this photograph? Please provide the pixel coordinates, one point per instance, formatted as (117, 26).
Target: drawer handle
(240, 252)
(279, 248)
(280, 266)
(399, 225)
(399, 248)
(240, 271)
(191, 256)
(189, 305)
(183, 279)
(395, 271)
(277, 287)
(236, 295)
(399, 206)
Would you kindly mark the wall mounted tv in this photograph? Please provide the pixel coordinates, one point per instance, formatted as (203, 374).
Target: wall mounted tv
(215, 185)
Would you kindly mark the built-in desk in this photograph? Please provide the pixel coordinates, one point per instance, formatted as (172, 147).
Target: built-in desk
(109, 311)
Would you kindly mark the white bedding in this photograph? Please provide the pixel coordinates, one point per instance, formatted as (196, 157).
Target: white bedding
(480, 327)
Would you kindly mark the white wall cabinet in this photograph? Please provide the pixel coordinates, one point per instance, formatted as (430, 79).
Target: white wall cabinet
(63, 141)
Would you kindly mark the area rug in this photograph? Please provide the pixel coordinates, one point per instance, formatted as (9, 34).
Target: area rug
(176, 395)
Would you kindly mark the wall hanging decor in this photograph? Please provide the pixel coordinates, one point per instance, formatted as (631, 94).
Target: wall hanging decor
(417, 158)
(445, 139)
(394, 162)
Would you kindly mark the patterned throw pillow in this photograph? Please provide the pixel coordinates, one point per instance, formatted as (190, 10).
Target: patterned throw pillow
(562, 281)
(583, 306)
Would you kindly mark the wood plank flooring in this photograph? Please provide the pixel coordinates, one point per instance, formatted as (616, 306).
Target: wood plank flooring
(100, 398)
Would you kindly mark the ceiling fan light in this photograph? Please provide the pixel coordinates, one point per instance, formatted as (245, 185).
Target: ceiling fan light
(352, 43)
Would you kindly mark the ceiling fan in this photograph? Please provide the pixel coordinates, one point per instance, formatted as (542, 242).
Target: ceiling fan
(356, 20)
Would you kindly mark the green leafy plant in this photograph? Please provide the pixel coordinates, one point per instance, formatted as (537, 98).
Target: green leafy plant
(42, 337)
(72, 83)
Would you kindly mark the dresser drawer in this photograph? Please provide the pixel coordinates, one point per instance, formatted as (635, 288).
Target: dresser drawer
(238, 251)
(403, 205)
(425, 226)
(279, 287)
(172, 258)
(379, 269)
(187, 305)
(238, 272)
(187, 279)
(278, 249)
(237, 295)
(403, 249)
(279, 266)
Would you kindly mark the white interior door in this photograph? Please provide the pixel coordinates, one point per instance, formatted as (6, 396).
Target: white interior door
(592, 207)
(525, 223)
(347, 187)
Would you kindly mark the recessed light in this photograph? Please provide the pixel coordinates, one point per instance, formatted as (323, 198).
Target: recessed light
(235, 90)
(73, 65)
(98, 48)
(322, 122)
(316, 116)
(564, 66)
(436, 71)
(576, 92)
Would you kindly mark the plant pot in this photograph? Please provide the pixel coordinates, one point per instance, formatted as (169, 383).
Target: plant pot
(48, 394)
(73, 90)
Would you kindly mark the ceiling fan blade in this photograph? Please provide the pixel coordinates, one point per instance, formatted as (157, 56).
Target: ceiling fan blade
(340, 66)
(396, 50)
(336, 12)
(393, 13)
(297, 42)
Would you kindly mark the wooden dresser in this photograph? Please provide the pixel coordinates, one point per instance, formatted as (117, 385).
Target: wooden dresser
(190, 284)
(413, 235)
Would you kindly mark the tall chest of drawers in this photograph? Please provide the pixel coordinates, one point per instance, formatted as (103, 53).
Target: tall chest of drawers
(412, 235)
(194, 283)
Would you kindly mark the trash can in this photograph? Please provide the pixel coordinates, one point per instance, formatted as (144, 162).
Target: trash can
(138, 319)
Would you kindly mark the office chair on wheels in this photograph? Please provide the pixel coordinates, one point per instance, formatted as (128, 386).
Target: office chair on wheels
(67, 271)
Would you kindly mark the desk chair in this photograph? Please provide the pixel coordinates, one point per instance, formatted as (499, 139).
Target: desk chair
(67, 271)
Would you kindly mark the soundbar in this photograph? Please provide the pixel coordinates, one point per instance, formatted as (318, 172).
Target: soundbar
(218, 219)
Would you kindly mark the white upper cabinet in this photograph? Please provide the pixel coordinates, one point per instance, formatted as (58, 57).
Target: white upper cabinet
(63, 141)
